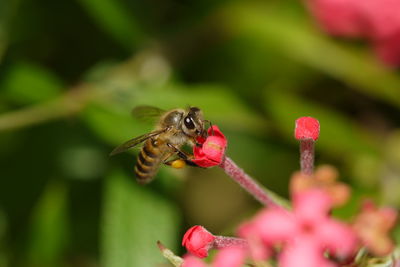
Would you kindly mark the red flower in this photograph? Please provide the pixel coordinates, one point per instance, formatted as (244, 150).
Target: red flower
(212, 150)
(306, 128)
(198, 241)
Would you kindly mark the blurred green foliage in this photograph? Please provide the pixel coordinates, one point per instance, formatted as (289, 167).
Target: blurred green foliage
(71, 71)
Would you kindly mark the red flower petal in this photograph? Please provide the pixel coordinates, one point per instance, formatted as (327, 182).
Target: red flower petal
(212, 150)
(306, 128)
(198, 241)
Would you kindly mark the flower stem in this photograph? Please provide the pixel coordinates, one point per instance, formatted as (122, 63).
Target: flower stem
(169, 255)
(226, 241)
(250, 185)
(307, 156)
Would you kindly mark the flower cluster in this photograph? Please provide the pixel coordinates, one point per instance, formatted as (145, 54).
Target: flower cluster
(305, 234)
(324, 178)
(375, 20)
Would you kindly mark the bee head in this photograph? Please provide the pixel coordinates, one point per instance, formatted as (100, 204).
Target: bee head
(193, 122)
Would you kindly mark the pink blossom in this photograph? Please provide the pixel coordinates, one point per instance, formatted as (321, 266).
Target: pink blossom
(192, 261)
(373, 226)
(198, 241)
(375, 20)
(303, 252)
(230, 257)
(306, 232)
(388, 49)
(337, 17)
(212, 149)
(257, 250)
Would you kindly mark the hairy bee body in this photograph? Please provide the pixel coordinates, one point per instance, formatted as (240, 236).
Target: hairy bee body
(174, 129)
(149, 159)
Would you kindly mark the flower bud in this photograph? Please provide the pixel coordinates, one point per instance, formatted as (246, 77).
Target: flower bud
(198, 241)
(306, 128)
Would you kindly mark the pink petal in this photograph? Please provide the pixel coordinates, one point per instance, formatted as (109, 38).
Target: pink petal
(382, 17)
(312, 205)
(230, 257)
(258, 250)
(338, 17)
(304, 252)
(192, 261)
(275, 225)
(388, 49)
(339, 238)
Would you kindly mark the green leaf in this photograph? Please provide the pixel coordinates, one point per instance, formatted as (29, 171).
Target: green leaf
(114, 19)
(49, 230)
(134, 219)
(28, 83)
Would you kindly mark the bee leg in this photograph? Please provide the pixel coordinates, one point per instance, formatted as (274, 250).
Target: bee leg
(183, 156)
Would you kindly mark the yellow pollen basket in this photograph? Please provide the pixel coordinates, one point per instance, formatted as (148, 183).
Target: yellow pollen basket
(178, 164)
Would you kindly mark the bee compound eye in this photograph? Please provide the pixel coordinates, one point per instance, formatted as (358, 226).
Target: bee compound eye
(189, 123)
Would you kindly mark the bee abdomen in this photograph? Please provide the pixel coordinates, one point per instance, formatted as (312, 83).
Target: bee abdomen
(148, 161)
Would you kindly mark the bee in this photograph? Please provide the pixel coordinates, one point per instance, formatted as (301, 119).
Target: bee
(175, 128)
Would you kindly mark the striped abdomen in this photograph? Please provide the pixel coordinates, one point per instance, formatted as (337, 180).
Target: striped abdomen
(149, 160)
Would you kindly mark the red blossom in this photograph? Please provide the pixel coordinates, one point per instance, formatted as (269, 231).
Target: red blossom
(212, 149)
(198, 241)
(306, 128)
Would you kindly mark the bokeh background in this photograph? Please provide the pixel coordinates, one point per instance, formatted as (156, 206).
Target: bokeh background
(71, 71)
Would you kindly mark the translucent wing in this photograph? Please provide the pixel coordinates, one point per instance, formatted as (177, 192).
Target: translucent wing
(135, 141)
(147, 113)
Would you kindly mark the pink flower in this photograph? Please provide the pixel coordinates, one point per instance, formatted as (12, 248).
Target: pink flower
(230, 257)
(257, 250)
(198, 241)
(376, 20)
(306, 232)
(388, 49)
(306, 128)
(212, 149)
(337, 17)
(373, 226)
(192, 261)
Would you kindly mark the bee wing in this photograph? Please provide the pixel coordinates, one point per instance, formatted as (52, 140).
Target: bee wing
(135, 141)
(147, 113)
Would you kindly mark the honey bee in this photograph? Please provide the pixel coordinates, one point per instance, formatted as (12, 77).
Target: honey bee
(174, 129)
